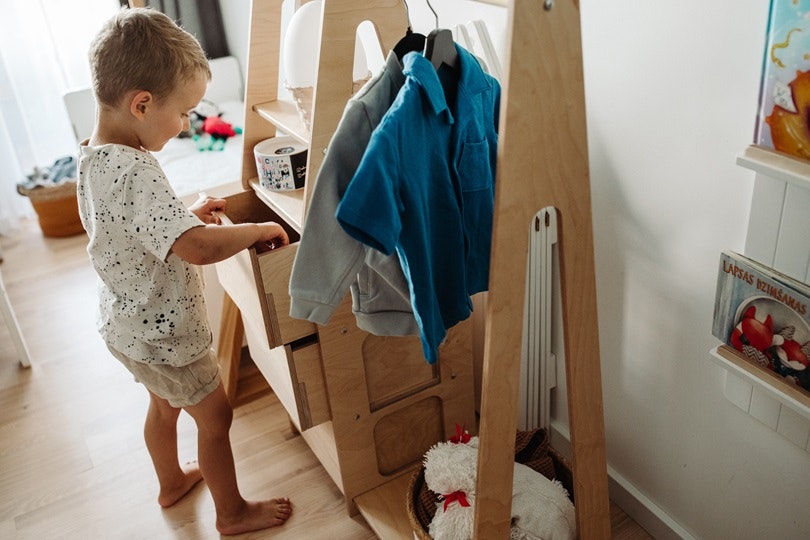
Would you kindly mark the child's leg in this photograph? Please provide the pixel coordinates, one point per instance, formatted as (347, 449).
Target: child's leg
(160, 434)
(213, 416)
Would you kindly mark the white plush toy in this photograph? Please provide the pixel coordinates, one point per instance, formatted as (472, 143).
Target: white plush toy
(451, 471)
(541, 509)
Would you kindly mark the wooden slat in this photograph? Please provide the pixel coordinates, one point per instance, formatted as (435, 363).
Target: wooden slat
(542, 161)
(335, 66)
(261, 83)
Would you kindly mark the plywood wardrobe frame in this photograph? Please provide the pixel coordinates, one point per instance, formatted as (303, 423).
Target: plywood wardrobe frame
(367, 406)
(542, 161)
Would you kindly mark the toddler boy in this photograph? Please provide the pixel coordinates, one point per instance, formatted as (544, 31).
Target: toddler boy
(148, 74)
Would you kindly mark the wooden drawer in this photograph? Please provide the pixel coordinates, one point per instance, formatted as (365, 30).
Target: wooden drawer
(258, 283)
(309, 386)
(284, 349)
(295, 374)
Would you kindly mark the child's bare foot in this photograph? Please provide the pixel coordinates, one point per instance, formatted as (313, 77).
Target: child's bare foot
(169, 495)
(257, 516)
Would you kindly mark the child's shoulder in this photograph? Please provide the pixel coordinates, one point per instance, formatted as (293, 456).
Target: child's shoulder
(118, 152)
(108, 163)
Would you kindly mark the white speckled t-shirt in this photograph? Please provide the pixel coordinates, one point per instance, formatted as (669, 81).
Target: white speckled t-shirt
(151, 303)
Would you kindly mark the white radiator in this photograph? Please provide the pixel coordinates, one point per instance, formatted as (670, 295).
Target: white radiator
(538, 371)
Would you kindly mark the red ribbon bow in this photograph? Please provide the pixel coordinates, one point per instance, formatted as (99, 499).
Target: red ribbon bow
(457, 496)
(461, 437)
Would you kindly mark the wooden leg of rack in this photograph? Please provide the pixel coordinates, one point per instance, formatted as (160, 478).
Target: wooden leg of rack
(533, 174)
(229, 352)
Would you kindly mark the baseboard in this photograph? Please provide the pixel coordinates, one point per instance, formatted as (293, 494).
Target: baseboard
(622, 492)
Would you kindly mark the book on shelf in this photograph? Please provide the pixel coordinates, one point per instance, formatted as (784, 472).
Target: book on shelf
(764, 315)
(784, 91)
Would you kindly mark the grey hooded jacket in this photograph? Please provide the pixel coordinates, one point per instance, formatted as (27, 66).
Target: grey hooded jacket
(328, 260)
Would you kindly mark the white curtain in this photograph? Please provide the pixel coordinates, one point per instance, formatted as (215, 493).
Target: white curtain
(43, 54)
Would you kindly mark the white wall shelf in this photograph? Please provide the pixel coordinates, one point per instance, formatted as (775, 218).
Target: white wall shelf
(777, 236)
(773, 385)
(776, 165)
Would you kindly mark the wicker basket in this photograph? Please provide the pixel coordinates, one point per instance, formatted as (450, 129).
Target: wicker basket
(531, 449)
(57, 208)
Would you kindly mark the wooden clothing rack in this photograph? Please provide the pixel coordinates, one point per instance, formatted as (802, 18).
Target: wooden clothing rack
(542, 162)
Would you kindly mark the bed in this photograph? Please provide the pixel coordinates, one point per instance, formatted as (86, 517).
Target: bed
(189, 170)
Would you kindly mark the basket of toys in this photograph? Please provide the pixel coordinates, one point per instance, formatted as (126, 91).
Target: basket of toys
(532, 450)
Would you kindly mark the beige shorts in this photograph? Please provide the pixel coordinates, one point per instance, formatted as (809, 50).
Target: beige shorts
(180, 386)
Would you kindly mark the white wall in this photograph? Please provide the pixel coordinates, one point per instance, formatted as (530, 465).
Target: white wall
(671, 94)
(671, 91)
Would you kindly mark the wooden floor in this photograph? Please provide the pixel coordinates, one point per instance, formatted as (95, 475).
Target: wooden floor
(72, 459)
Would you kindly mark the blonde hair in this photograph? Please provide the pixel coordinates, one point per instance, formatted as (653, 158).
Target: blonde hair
(143, 49)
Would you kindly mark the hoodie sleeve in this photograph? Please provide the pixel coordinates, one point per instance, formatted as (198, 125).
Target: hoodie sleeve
(328, 259)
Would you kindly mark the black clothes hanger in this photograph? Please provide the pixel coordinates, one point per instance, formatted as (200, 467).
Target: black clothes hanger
(440, 48)
(411, 41)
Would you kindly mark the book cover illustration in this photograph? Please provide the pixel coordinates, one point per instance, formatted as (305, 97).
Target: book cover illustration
(765, 316)
(782, 116)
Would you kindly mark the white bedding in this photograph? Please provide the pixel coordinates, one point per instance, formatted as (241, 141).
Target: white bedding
(190, 170)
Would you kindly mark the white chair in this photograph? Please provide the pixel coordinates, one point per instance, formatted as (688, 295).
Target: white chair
(81, 108)
(13, 325)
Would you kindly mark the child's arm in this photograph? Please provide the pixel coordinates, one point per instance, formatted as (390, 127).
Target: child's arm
(214, 242)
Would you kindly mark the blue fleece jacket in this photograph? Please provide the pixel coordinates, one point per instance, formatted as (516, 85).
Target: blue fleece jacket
(425, 189)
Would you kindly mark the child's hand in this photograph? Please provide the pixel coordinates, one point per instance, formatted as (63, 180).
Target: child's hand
(273, 236)
(206, 209)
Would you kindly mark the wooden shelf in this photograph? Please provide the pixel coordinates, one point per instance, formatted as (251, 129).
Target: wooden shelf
(779, 166)
(284, 115)
(289, 205)
(384, 508)
(774, 385)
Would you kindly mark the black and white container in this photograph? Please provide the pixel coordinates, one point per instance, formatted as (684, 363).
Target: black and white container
(281, 163)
